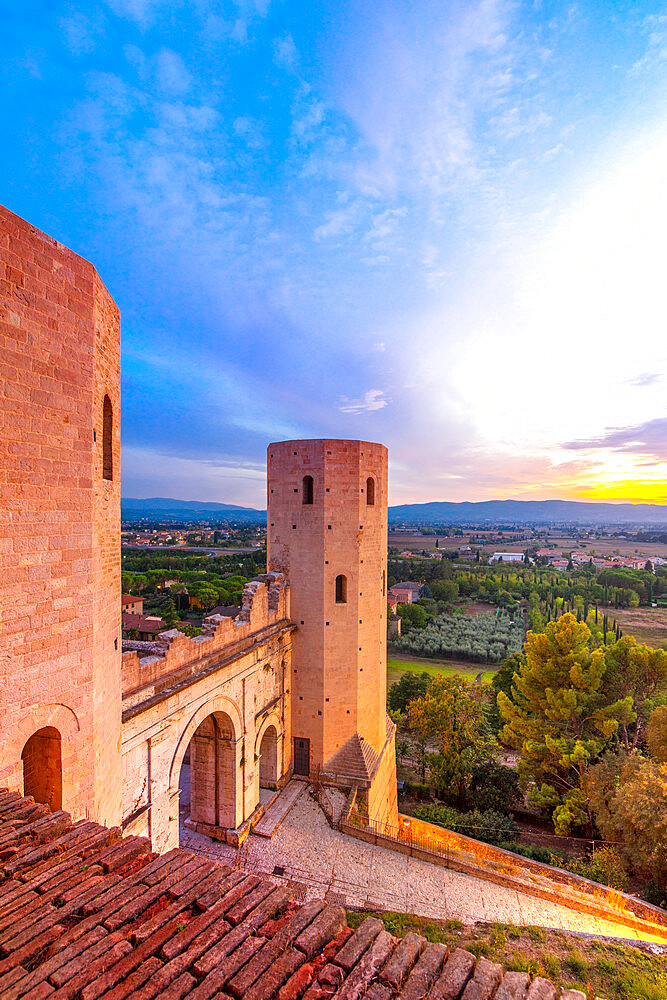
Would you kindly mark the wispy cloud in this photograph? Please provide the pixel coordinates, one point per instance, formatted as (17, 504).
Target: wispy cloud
(649, 438)
(647, 378)
(374, 399)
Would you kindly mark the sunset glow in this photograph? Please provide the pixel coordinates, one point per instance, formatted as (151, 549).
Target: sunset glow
(435, 225)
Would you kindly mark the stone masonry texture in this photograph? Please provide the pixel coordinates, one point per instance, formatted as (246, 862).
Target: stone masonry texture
(322, 528)
(60, 639)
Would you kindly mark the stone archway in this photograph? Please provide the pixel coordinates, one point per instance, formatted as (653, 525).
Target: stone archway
(213, 772)
(209, 771)
(268, 758)
(43, 767)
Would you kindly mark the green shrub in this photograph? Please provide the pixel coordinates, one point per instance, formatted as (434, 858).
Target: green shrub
(531, 851)
(551, 966)
(604, 866)
(440, 815)
(576, 963)
(478, 638)
(490, 826)
(655, 893)
(419, 791)
(494, 786)
(405, 690)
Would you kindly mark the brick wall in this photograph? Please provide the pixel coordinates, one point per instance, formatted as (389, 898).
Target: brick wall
(339, 657)
(60, 520)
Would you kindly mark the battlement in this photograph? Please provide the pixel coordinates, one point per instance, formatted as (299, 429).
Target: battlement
(265, 604)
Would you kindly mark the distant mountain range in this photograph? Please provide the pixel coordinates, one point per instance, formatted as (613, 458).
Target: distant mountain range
(528, 512)
(166, 509)
(438, 512)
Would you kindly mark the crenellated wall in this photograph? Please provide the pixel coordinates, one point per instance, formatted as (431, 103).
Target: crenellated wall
(219, 703)
(265, 604)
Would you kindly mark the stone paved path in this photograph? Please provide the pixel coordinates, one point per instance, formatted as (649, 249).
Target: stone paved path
(279, 808)
(363, 875)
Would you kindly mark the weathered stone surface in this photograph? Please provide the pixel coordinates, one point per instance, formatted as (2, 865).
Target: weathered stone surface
(41, 991)
(324, 927)
(572, 995)
(11, 979)
(92, 970)
(332, 975)
(61, 958)
(131, 986)
(298, 982)
(486, 977)
(209, 896)
(367, 968)
(189, 930)
(240, 910)
(425, 972)
(337, 942)
(401, 962)
(128, 963)
(513, 986)
(268, 909)
(275, 952)
(279, 972)
(458, 969)
(318, 991)
(541, 989)
(365, 934)
(199, 879)
(282, 939)
(28, 952)
(378, 992)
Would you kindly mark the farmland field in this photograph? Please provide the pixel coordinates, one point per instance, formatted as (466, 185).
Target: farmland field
(647, 625)
(398, 665)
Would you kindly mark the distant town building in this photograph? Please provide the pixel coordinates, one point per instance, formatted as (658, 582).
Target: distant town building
(407, 591)
(132, 605)
(401, 595)
(507, 557)
(143, 627)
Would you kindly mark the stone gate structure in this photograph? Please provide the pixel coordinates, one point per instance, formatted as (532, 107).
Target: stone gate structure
(295, 683)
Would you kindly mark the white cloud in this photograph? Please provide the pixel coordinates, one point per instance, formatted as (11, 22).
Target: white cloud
(148, 472)
(338, 222)
(81, 32)
(374, 399)
(172, 75)
(142, 12)
(285, 53)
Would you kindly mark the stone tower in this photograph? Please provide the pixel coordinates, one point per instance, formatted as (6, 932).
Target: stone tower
(60, 634)
(327, 531)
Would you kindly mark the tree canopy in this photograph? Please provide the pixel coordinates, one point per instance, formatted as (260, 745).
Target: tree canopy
(558, 718)
(452, 714)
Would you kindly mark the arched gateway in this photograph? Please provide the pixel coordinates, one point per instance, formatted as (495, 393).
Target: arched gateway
(43, 767)
(212, 767)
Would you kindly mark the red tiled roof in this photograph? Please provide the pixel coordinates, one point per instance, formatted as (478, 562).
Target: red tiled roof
(86, 914)
(143, 623)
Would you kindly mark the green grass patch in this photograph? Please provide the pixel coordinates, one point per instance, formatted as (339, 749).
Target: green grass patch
(436, 668)
(602, 968)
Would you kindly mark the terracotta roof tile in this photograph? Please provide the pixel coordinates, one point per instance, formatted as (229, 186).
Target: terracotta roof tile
(86, 915)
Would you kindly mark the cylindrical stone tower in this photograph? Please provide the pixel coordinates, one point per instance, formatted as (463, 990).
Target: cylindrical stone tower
(327, 531)
(60, 626)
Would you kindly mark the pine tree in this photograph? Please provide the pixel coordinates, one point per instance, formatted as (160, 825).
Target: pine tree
(557, 718)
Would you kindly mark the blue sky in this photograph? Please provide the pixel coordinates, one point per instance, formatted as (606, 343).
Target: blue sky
(437, 225)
